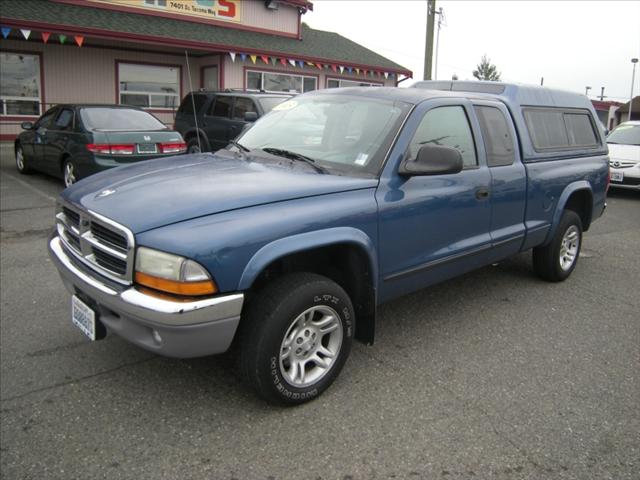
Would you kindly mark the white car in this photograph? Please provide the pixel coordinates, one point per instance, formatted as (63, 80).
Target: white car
(624, 155)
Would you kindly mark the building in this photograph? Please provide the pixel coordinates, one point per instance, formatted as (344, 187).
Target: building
(621, 113)
(604, 109)
(150, 53)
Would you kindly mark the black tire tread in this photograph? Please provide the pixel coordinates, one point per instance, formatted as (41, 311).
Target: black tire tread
(545, 258)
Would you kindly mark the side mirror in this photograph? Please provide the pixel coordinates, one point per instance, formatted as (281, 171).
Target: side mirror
(250, 116)
(26, 125)
(433, 160)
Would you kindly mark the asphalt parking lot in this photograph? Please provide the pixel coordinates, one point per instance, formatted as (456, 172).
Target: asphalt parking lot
(492, 375)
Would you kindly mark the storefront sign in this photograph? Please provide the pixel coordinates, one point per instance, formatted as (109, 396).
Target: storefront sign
(221, 10)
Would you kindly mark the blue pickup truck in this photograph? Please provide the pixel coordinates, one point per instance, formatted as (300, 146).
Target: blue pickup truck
(282, 245)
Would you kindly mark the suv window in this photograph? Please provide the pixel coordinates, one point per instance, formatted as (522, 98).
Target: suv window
(496, 134)
(447, 126)
(64, 120)
(243, 105)
(187, 103)
(221, 107)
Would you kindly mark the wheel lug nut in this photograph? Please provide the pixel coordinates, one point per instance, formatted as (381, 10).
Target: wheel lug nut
(306, 333)
(299, 340)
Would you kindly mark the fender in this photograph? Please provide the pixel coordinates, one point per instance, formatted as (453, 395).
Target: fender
(562, 202)
(307, 241)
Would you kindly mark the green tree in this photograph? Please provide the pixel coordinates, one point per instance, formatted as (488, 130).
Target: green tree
(486, 70)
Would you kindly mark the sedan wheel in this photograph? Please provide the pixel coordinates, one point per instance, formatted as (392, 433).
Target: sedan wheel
(21, 164)
(69, 174)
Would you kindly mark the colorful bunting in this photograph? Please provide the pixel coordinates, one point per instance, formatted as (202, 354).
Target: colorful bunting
(386, 75)
(5, 31)
(319, 66)
(357, 71)
(45, 37)
(292, 62)
(63, 38)
(334, 68)
(233, 56)
(265, 59)
(350, 70)
(79, 40)
(274, 60)
(26, 34)
(243, 56)
(341, 69)
(283, 61)
(253, 58)
(301, 63)
(311, 64)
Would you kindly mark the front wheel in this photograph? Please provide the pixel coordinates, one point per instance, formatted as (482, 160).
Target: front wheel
(70, 173)
(556, 261)
(21, 162)
(296, 337)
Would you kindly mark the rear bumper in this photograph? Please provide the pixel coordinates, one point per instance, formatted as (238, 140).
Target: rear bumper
(174, 329)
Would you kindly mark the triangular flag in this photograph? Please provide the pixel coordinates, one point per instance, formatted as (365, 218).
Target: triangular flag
(319, 66)
(364, 72)
(233, 56)
(350, 69)
(243, 56)
(63, 38)
(292, 62)
(386, 75)
(283, 61)
(45, 37)
(265, 59)
(310, 63)
(26, 34)
(334, 68)
(357, 71)
(274, 60)
(253, 58)
(79, 39)
(5, 31)
(301, 63)
(341, 69)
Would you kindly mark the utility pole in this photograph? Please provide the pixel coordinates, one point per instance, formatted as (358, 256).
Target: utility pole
(441, 19)
(602, 94)
(428, 50)
(541, 81)
(633, 79)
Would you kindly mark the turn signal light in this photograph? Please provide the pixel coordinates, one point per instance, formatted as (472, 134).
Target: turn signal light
(173, 147)
(206, 287)
(106, 148)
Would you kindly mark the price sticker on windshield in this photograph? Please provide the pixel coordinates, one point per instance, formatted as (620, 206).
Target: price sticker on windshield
(288, 105)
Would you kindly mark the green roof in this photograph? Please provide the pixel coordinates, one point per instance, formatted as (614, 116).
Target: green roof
(315, 45)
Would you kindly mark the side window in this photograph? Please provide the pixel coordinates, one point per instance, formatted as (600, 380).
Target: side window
(221, 107)
(546, 128)
(46, 121)
(447, 126)
(243, 105)
(189, 101)
(496, 134)
(64, 121)
(580, 130)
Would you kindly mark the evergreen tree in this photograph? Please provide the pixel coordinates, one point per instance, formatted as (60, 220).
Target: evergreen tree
(486, 70)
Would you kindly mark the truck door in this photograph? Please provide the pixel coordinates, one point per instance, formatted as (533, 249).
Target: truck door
(508, 179)
(433, 227)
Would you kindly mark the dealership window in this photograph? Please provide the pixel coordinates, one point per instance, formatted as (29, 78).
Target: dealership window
(335, 83)
(149, 86)
(20, 89)
(280, 82)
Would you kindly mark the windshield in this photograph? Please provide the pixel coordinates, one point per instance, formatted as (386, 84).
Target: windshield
(105, 118)
(625, 135)
(347, 133)
(269, 102)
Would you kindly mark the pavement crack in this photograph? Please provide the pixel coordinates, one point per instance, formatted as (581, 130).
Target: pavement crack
(78, 380)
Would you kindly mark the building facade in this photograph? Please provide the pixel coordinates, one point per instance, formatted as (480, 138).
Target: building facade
(150, 53)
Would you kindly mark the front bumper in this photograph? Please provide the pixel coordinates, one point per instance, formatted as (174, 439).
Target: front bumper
(185, 329)
(630, 177)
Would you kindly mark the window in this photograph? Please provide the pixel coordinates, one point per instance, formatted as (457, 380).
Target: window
(115, 118)
(496, 134)
(46, 121)
(625, 134)
(446, 126)
(64, 120)
(20, 89)
(280, 82)
(149, 85)
(210, 78)
(556, 129)
(222, 107)
(243, 105)
(335, 83)
(187, 103)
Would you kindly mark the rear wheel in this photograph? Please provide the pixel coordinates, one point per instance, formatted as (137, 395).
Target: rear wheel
(556, 261)
(21, 162)
(194, 147)
(296, 337)
(70, 173)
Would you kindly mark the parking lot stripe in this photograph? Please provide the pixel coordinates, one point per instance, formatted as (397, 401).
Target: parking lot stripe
(30, 187)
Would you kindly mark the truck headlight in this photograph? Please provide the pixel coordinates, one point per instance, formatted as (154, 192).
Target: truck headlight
(172, 273)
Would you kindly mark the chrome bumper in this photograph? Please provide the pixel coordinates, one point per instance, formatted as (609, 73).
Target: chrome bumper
(176, 329)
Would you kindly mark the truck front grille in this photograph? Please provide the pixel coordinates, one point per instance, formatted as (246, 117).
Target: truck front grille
(104, 245)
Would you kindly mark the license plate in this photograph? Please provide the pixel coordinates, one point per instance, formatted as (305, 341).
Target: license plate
(617, 176)
(147, 148)
(83, 317)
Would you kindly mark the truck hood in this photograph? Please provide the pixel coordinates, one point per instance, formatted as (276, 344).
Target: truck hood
(155, 193)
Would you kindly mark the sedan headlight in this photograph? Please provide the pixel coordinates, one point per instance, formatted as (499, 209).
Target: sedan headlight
(172, 273)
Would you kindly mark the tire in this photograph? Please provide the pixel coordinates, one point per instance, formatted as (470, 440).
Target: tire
(194, 147)
(292, 316)
(556, 261)
(69, 173)
(21, 161)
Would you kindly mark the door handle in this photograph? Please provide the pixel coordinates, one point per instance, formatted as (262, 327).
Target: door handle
(482, 193)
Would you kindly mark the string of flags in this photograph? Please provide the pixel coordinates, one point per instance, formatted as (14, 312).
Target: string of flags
(271, 60)
(79, 39)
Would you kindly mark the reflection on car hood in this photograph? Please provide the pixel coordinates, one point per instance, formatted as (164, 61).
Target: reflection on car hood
(155, 193)
(624, 152)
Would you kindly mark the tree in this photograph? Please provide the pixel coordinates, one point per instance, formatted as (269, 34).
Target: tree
(486, 70)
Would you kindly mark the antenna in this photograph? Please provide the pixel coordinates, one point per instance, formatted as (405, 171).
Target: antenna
(193, 102)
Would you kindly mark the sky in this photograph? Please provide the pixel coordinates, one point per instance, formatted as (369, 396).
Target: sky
(571, 44)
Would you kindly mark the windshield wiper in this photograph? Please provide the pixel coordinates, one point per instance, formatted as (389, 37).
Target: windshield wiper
(239, 146)
(279, 152)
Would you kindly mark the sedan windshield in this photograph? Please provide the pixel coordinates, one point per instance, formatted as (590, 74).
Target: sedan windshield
(342, 132)
(269, 102)
(126, 119)
(625, 135)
